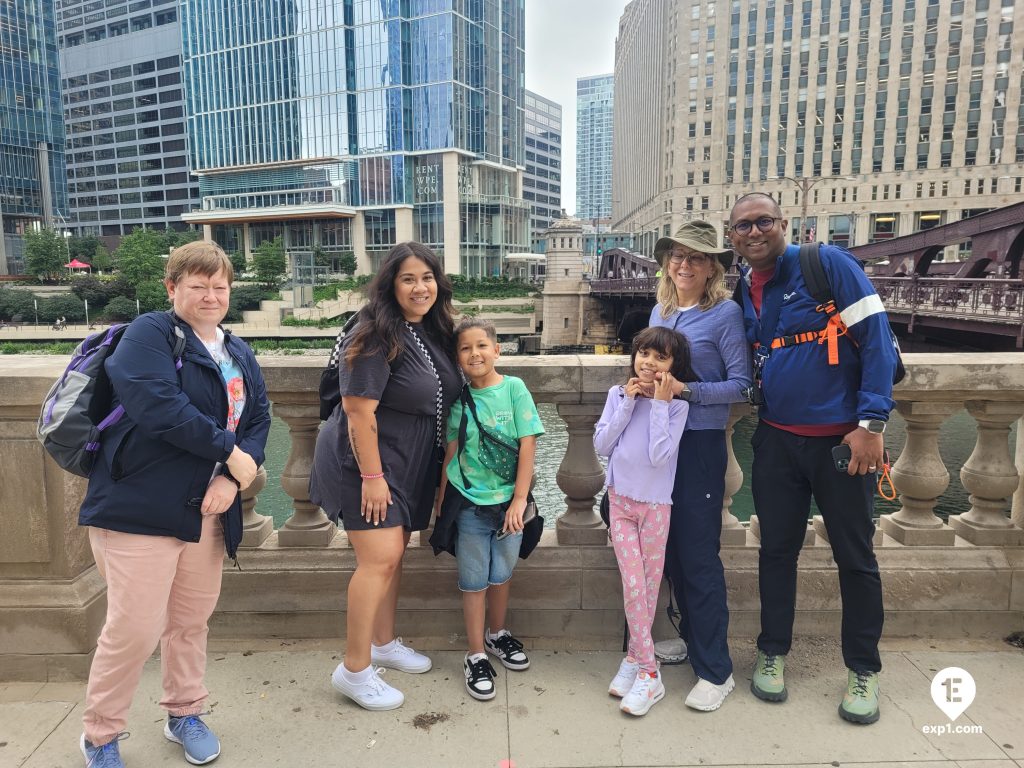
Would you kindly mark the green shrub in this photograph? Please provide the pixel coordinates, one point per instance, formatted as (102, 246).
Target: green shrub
(325, 322)
(469, 288)
(68, 307)
(37, 348)
(120, 308)
(278, 346)
(247, 297)
(14, 302)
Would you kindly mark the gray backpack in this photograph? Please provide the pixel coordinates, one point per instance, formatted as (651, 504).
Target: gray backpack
(77, 409)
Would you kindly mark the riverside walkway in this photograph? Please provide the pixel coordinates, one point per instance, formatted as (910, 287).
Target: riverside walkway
(272, 706)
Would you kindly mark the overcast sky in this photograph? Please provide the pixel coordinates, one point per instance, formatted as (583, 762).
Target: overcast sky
(565, 40)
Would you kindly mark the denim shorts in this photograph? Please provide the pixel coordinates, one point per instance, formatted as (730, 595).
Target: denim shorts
(483, 559)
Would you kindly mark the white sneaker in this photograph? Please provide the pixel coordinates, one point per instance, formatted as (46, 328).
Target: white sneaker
(647, 691)
(373, 693)
(671, 651)
(708, 697)
(400, 657)
(624, 678)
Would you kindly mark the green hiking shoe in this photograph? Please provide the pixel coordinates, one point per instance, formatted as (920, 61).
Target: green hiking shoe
(860, 704)
(768, 683)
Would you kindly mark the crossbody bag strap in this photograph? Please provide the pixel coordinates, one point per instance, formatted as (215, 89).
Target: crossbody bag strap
(439, 396)
(463, 425)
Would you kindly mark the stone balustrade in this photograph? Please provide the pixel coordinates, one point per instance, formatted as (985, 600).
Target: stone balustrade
(964, 577)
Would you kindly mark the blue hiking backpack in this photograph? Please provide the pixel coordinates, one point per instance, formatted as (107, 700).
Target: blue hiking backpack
(77, 409)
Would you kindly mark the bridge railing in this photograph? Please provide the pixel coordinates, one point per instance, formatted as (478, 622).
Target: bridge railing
(942, 578)
(981, 299)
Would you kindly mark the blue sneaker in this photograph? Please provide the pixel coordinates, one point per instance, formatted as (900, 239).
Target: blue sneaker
(201, 746)
(106, 756)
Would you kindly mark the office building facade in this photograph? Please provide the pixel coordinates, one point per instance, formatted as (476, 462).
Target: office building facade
(542, 180)
(124, 107)
(33, 187)
(879, 117)
(352, 126)
(594, 124)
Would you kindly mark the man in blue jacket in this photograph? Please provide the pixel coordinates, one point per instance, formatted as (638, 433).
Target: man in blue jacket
(813, 397)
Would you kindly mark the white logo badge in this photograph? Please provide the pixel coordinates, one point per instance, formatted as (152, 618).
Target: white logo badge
(953, 690)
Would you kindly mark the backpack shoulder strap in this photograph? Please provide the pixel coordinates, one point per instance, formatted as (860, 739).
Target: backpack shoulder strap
(179, 340)
(814, 273)
(335, 359)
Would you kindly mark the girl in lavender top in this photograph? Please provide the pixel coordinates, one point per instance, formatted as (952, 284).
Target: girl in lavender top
(639, 432)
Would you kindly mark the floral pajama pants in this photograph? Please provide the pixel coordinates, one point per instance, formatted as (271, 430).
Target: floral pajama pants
(639, 531)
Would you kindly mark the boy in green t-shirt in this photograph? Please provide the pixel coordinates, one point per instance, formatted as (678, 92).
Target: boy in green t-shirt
(490, 508)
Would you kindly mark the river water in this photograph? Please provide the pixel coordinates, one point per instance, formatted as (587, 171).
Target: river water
(956, 441)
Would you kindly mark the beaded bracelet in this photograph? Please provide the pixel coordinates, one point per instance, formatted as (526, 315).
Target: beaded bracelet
(375, 476)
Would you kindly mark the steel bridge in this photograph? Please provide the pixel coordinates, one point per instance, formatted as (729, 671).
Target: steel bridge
(977, 303)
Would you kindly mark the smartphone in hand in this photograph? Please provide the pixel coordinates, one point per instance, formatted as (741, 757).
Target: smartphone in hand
(528, 514)
(841, 456)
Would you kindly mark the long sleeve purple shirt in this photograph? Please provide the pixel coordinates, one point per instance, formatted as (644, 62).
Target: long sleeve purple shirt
(720, 356)
(640, 436)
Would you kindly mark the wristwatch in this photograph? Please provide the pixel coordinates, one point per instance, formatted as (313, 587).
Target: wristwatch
(686, 394)
(874, 426)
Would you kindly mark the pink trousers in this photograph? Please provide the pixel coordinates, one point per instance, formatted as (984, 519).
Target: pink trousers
(158, 589)
(639, 531)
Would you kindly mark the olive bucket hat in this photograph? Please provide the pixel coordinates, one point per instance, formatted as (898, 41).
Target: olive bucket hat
(698, 236)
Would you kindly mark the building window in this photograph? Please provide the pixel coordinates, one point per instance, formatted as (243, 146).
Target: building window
(883, 226)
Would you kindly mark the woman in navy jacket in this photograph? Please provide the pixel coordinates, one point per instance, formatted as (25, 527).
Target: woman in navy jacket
(163, 504)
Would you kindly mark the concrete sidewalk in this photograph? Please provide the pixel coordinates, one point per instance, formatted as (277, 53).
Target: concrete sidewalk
(272, 705)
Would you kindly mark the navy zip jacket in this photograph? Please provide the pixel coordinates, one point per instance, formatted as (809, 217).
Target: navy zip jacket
(155, 464)
(798, 385)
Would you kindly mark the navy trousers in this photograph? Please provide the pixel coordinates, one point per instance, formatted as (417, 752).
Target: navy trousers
(692, 560)
(788, 469)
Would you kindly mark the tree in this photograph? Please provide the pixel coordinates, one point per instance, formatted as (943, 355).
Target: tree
(152, 296)
(46, 253)
(269, 262)
(101, 258)
(83, 248)
(140, 255)
(92, 289)
(174, 239)
(238, 262)
(347, 262)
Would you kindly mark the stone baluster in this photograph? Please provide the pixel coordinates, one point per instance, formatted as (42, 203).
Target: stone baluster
(920, 477)
(1017, 508)
(580, 477)
(308, 526)
(255, 528)
(990, 476)
(733, 533)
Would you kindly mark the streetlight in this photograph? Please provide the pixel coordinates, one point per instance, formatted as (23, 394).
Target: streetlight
(805, 184)
(86, 312)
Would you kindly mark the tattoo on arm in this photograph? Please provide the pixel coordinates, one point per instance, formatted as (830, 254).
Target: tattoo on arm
(352, 442)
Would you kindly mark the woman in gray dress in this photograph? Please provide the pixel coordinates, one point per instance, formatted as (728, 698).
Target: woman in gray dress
(377, 461)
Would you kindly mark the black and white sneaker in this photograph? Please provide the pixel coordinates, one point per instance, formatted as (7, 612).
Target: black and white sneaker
(479, 677)
(508, 650)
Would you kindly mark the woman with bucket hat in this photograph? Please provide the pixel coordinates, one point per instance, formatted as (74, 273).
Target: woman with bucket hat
(693, 300)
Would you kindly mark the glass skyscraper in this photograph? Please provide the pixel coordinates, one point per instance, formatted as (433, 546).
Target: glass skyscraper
(594, 99)
(33, 185)
(350, 125)
(542, 182)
